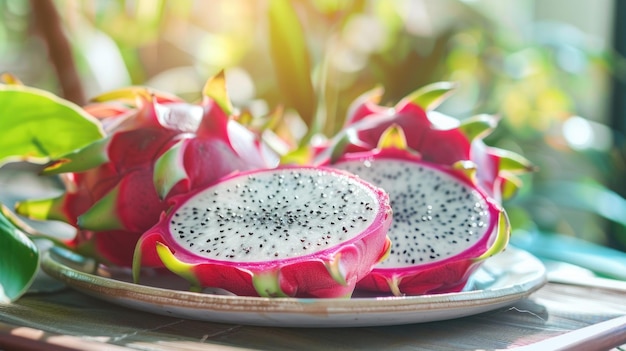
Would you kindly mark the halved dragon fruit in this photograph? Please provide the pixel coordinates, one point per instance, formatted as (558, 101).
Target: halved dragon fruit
(156, 146)
(289, 231)
(444, 225)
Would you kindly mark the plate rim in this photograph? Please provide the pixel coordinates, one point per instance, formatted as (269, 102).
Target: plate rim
(116, 291)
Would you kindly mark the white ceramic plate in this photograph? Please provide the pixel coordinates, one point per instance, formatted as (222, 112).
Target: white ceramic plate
(501, 281)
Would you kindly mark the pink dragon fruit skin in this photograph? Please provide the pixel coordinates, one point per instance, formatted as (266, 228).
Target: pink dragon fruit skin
(436, 137)
(330, 272)
(450, 272)
(218, 147)
(110, 195)
(435, 145)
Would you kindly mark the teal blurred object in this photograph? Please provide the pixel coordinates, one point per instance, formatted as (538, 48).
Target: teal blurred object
(602, 260)
(588, 197)
(591, 197)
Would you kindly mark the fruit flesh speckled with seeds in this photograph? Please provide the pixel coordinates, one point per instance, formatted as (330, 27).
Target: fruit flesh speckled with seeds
(292, 231)
(233, 213)
(433, 209)
(444, 226)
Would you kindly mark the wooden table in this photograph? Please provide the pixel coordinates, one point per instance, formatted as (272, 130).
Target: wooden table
(69, 320)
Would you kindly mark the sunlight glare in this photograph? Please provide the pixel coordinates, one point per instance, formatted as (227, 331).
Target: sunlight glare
(582, 134)
(577, 133)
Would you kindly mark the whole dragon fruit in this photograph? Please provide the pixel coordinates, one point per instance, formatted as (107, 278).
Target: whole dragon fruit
(156, 146)
(288, 231)
(444, 225)
(437, 138)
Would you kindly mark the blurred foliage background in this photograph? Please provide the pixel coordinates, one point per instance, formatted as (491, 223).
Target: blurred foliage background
(547, 78)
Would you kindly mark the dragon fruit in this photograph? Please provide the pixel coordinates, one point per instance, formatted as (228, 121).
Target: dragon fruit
(288, 231)
(437, 138)
(156, 147)
(444, 225)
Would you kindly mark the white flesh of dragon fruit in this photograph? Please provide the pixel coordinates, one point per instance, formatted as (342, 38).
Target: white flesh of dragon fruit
(435, 217)
(442, 226)
(273, 216)
(284, 232)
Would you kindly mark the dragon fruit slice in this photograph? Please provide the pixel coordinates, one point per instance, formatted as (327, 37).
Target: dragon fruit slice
(116, 188)
(289, 231)
(444, 226)
(436, 137)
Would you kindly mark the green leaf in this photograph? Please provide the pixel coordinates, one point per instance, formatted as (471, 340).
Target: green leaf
(430, 96)
(37, 125)
(19, 259)
(291, 60)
